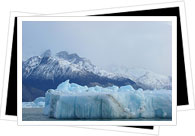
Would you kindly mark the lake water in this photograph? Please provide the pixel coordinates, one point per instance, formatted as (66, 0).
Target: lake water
(36, 114)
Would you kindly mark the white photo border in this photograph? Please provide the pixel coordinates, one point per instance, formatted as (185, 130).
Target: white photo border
(130, 8)
(98, 123)
(14, 14)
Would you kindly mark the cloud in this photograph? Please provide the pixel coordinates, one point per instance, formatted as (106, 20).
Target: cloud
(134, 44)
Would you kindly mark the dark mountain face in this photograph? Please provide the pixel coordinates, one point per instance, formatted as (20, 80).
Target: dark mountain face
(30, 94)
(44, 72)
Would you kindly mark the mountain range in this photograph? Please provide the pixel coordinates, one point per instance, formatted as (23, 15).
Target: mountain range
(44, 72)
(143, 77)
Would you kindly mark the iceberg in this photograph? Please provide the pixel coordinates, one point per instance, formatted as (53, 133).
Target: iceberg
(37, 103)
(72, 101)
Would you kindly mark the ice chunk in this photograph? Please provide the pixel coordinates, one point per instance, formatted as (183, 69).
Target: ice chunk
(126, 88)
(28, 104)
(112, 88)
(86, 106)
(37, 103)
(66, 86)
(68, 102)
(39, 100)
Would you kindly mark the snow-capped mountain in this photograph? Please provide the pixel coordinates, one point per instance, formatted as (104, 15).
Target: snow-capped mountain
(59, 65)
(144, 78)
(46, 71)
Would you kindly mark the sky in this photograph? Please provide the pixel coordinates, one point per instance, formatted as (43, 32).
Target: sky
(143, 44)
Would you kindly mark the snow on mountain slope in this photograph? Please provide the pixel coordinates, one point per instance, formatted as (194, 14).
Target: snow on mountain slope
(30, 65)
(46, 71)
(154, 81)
(143, 77)
(62, 63)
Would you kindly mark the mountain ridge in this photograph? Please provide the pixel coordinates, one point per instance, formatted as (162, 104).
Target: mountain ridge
(144, 77)
(47, 71)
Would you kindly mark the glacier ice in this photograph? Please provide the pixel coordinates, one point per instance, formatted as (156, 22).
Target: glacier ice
(72, 101)
(37, 103)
